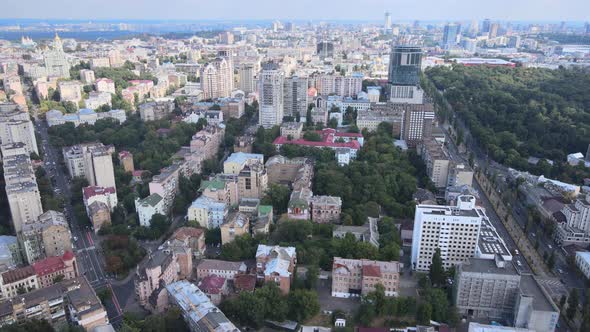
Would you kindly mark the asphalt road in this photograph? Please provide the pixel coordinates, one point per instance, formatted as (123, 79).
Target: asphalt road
(88, 254)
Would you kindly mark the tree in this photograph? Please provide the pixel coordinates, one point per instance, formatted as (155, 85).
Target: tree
(303, 304)
(437, 271)
(278, 196)
(424, 313)
(311, 277)
(572, 304)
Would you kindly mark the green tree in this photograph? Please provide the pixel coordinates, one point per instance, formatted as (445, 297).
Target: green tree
(303, 304)
(424, 313)
(437, 271)
(278, 196)
(572, 304)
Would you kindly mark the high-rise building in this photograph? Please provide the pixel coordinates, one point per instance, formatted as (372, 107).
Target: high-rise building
(247, 75)
(485, 26)
(92, 161)
(271, 95)
(295, 96)
(514, 41)
(417, 123)
(325, 49)
(16, 127)
(217, 78)
(451, 31)
(404, 75)
(493, 30)
(387, 25)
(56, 63)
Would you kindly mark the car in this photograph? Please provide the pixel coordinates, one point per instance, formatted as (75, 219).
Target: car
(518, 263)
(533, 235)
(75, 238)
(560, 271)
(549, 246)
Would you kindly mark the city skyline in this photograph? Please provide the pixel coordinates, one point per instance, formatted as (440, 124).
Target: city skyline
(370, 10)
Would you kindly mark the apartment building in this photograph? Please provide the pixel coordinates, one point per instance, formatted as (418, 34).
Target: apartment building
(165, 184)
(583, 262)
(276, 264)
(437, 162)
(52, 267)
(18, 280)
(190, 237)
(48, 236)
(247, 74)
(252, 180)
(208, 213)
(292, 130)
(325, 209)
(237, 224)
(74, 297)
(366, 233)
(204, 145)
(70, 91)
(271, 99)
(93, 162)
(161, 267)
(225, 269)
(295, 96)
(16, 127)
(237, 160)
(105, 85)
(217, 78)
(146, 208)
(98, 99)
(358, 277)
(107, 196)
(222, 188)
(156, 110)
(378, 113)
(417, 124)
(574, 226)
(99, 215)
(345, 86)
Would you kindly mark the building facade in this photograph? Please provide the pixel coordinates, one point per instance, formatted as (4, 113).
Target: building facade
(358, 277)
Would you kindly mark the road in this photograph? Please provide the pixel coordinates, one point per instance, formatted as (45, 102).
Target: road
(86, 244)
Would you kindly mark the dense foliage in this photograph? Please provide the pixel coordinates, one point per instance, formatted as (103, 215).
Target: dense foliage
(515, 113)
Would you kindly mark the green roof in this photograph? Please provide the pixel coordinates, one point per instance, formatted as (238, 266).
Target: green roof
(264, 209)
(213, 184)
(152, 200)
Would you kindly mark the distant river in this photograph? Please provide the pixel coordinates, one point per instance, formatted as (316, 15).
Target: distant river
(79, 35)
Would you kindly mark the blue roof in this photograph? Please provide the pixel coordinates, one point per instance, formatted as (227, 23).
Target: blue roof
(241, 157)
(86, 111)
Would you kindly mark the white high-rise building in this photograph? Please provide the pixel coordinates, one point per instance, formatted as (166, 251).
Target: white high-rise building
(56, 63)
(387, 25)
(247, 74)
(217, 79)
(453, 229)
(270, 87)
(16, 127)
(91, 161)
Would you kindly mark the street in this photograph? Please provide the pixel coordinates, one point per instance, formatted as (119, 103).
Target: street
(88, 255)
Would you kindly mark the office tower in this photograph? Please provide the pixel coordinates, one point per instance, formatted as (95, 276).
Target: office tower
(247, 74)
(325, 49)
(417, 123)
(514, 41)
(56, 63)
(452, 229)
(493, 30)
(217, 78)
(16, 127)
(404, 74)
(473, 28)
(92, 161)
(271, 95)
(485, 26)
(295, 96)
(387, 22)
(451, 31)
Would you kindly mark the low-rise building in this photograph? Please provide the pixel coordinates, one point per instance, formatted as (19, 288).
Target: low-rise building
(365, 233)
(49, 236)
(225, 269)
(161, 267)
(238, 224)
(191, 237)
(53, 268)
(358, 277)
(146, 208)
(237, 160)
(10, 255)
(215, 287)
(252, 180)
(99, 215)
(276, 264)
(207, 212)
(292, 130)
(325, 209)
(126, 160)
(583, 262)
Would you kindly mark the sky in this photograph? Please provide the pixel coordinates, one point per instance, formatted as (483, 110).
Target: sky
(364, 10)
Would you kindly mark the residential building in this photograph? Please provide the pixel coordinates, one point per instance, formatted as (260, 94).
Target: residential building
(156, 110)
(225, 269)
(16, 127)
(222, 188)
(247, 73)
(365, 233)
(271, 95)
(99, 215)
(358, 277)
(244, 144)
(204, 145)
(325, 209)
(217, 78)
(87, 76)
(56, 63)
(276, 264)
(295, 96)
(191, 237)
(237, 160)
(165, 184)
(371, 118)
(477, 327)
(207, 212)
(460, 175)
(345, 86)
(83, 116)
(330, 138)
(53, 267)
(199, 313)
(10, 255)
(70, 91)
(252, 180)
(48, 236)
(437, 162)
(18, 280)
(92, 161)
(215, 287)
(146, 208)
(105, 85)
(98, 99)
(238, 224)
(574, 226)
(583, 262)
(74, 297)
(107, 196)
(161, 267)
(100, 62)
(460, 232)
(299, 206)
(417, 123)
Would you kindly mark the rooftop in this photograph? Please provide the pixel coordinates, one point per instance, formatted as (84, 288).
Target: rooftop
(530, 287)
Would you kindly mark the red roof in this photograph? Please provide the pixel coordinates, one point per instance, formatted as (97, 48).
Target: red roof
(371, 271)
(48, 265)
(187, 232)
(328, 140)
(137, 173)
(97, 191)
(212, 284)
(68, 256)
(136, 82)
(124, 154)
(107, 80)
(245, 282)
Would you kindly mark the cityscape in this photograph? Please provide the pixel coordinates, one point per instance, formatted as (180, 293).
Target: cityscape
(389, 168)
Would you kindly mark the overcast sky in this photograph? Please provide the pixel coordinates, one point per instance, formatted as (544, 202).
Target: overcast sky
(555, 10)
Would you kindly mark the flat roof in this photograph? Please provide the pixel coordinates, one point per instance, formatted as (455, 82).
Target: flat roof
(530, 287)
